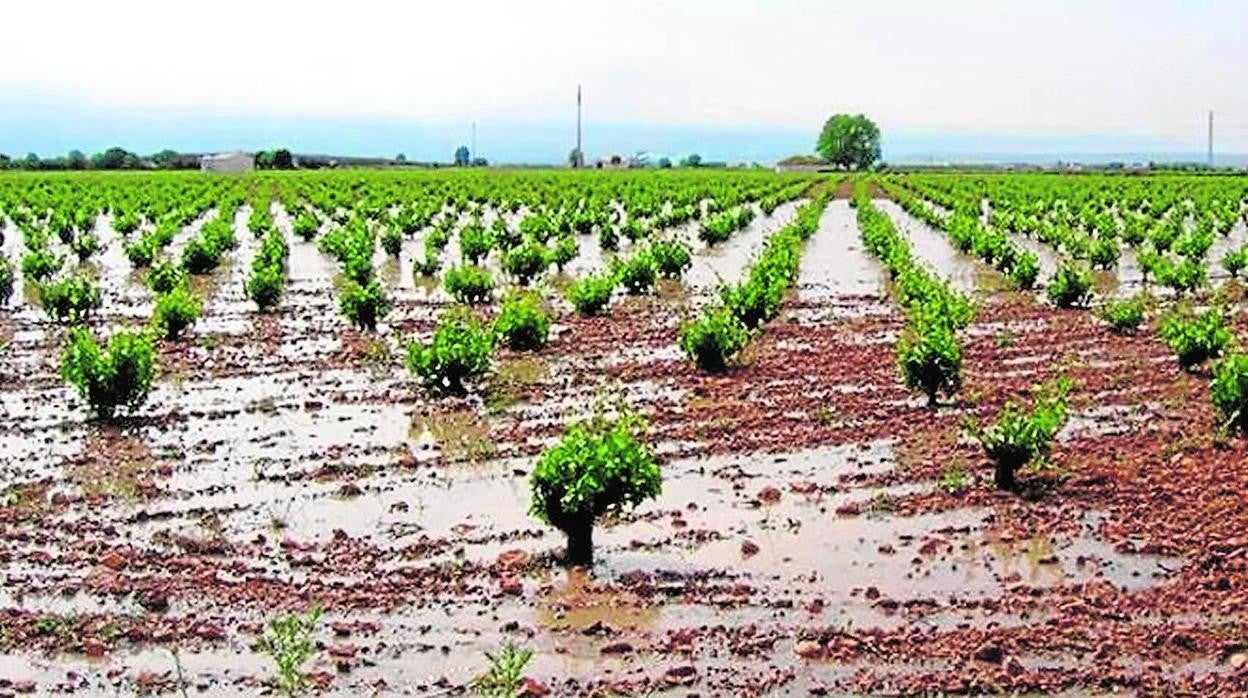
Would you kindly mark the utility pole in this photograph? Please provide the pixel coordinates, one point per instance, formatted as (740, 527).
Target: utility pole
(1210, 139)
(473, 155)
(580, 156)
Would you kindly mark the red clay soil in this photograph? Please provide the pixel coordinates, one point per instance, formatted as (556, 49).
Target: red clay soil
(1159, 481)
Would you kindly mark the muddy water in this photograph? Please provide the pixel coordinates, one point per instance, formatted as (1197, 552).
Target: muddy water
(835, 263)
(122, 294)
(327, 482)
(306, 264)
(1129, 275)
(802, 550)
(963, 272)
(1223, 244)
(11, 248)
(729, 261)
(310, 288)
(226, 308)
(311, 272)
(592, 258)
(1127, 278)
(120, 291)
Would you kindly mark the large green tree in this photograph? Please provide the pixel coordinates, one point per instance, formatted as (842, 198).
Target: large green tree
(851, 141)
(277, 159)
(76, 160)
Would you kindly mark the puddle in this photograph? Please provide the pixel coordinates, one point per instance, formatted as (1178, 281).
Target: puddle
(709, 508)
(930, 245)
(835, 262)
(462, 435)
(1108, 420)
(728, 262)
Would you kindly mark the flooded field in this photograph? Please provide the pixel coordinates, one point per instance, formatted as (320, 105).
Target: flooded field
(820, 531)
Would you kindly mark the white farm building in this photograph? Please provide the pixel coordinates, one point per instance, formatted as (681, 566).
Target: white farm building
(228, 162)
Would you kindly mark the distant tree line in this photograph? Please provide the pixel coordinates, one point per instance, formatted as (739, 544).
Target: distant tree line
(114, 158)
(117, 158)
(641, 160)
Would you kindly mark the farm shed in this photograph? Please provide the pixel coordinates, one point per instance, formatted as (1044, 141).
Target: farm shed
(228, 162)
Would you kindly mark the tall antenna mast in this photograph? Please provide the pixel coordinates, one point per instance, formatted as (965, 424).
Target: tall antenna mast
(580, 156)
(1211, 138)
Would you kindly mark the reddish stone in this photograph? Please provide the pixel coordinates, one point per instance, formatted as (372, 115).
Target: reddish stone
(808, 649)
(513, 559)
(210, 631)
(114, 560)
(804, 487)
(341, 628)
(682, 675)
(532, 688)
(990, 652)
(511, 586)
(769, 495)
(345, 650)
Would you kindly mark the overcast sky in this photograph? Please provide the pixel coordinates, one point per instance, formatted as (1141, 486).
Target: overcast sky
(1127, 74)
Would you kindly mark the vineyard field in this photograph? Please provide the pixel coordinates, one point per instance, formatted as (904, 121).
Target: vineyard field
(917, 433)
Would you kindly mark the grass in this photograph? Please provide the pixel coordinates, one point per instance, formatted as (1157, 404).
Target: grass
(954, 478)
(825, 415)
(288, 641)
(118, 480)
(378, 354)
(462, 435)
(881, 503)
(55, 626)
(504, 676)
(510, 378)
(28, 497)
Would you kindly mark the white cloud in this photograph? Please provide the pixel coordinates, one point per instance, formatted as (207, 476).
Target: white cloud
(1146, 67)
